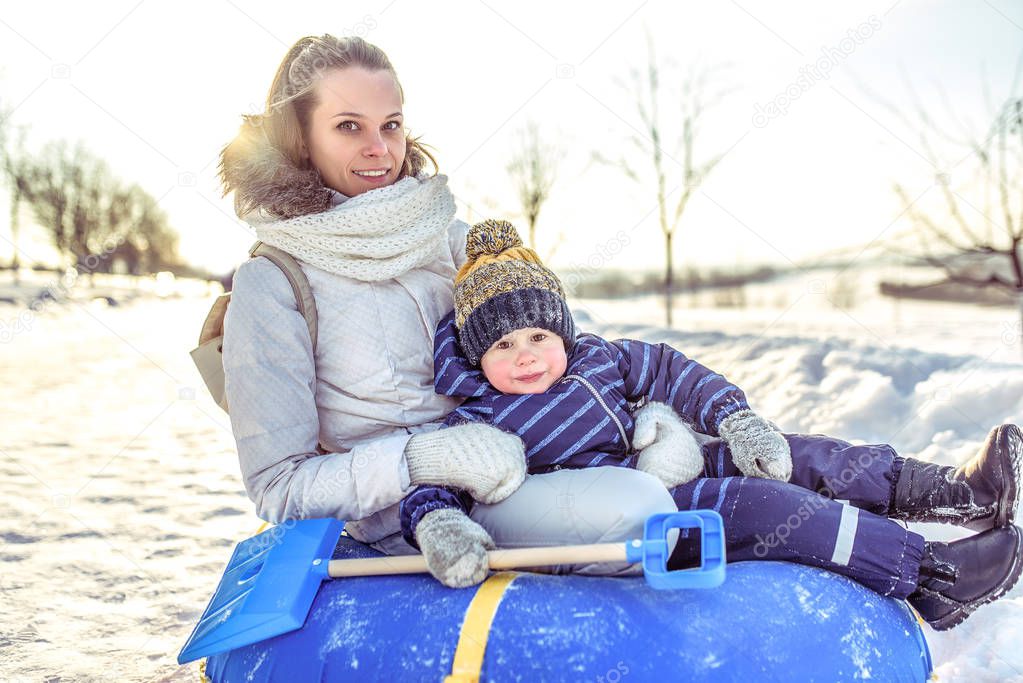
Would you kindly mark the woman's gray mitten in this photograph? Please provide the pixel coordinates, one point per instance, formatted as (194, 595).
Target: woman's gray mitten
(454, 546)
(668, 450)
(484, 461)
(758, 448)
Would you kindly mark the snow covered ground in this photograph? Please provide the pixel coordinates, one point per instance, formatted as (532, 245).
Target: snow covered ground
(120, 498)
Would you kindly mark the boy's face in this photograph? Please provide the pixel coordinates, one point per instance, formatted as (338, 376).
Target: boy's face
(526, 361)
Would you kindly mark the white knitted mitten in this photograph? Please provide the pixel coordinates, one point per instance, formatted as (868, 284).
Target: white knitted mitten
(455, 547)
(668, 450)
(484, 461)
(758, 448)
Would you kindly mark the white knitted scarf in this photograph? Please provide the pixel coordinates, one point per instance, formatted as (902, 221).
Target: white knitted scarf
(374, 236)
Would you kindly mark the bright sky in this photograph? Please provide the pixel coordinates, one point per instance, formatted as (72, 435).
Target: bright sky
(157, 88)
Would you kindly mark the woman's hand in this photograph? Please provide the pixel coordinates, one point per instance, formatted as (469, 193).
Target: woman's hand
(758, 448)
(454, 546)
(668, 450)
(484, 461)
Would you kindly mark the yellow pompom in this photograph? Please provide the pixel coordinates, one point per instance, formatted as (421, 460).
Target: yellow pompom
(490, 238)
(493, 241)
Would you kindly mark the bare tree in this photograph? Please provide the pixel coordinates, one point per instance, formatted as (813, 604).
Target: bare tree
(91, 215)
(14, 169)
(134, 224)
(975, 237)
(677, 171)
(148, 233)
(532, 169)
(65, 187)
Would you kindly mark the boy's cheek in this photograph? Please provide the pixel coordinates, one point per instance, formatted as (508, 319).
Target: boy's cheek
(496, 372)
(557, 361)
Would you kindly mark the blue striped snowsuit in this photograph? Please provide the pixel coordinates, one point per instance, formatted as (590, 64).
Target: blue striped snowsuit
(584, 420)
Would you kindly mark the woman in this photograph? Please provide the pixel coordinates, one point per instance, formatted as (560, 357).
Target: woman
(329, 173)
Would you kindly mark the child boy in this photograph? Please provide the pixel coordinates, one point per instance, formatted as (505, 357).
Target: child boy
(511, 350)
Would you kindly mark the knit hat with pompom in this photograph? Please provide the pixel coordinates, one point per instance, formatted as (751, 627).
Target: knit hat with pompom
(505, 287)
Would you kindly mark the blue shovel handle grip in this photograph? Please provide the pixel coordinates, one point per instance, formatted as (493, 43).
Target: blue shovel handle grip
(653, 551)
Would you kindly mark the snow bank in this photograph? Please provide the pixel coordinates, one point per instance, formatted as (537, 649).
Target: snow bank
(931, 405)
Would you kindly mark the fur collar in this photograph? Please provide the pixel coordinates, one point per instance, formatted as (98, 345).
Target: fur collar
(266, 181)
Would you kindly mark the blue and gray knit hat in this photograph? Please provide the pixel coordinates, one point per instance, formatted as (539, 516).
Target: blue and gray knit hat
(505, 287)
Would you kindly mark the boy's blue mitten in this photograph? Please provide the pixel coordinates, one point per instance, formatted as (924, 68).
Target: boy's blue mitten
(668, 450)
(758, 448)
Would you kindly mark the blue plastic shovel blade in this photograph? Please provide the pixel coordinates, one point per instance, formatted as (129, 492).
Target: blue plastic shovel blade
(267, 588)
(653, 550)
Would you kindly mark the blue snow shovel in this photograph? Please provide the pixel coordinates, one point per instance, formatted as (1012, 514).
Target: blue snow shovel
(272, 578)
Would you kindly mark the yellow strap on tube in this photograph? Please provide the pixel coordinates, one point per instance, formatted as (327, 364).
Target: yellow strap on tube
(472, 641)
(203, 678)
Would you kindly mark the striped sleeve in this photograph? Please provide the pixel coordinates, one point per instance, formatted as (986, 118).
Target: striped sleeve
(660, 373)
(445, 360)
(453, 375)
(427, 499)
(473, 410)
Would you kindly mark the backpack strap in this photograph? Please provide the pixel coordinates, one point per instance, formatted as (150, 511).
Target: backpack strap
(299, 283)
(213, 325)
(208, 355)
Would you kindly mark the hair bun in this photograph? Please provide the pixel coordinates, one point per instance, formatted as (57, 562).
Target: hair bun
(491, 237)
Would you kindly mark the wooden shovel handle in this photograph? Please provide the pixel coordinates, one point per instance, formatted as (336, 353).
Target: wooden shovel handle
(508, 558)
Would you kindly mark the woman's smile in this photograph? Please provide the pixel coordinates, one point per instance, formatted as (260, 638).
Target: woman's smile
(376, 177)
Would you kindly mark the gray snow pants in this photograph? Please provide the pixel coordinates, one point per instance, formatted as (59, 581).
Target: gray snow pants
(569, 507)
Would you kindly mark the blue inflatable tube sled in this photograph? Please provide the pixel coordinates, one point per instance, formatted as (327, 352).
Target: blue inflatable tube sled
(768, 621)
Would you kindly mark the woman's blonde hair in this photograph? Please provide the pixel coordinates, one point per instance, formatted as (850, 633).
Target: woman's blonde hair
(289, 104)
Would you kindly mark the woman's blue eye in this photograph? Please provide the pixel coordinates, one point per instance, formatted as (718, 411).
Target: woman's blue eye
(353, 126)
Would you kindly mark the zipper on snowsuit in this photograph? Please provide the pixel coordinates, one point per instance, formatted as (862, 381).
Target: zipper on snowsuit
(600, 400)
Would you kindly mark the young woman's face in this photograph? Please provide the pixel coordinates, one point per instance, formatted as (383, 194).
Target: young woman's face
(356, 136)
(526, 361)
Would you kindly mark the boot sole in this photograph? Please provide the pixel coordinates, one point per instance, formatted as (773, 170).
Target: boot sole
(960, 615)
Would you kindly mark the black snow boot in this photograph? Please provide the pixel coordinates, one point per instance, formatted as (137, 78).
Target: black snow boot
(980, 494)
(956, 578)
